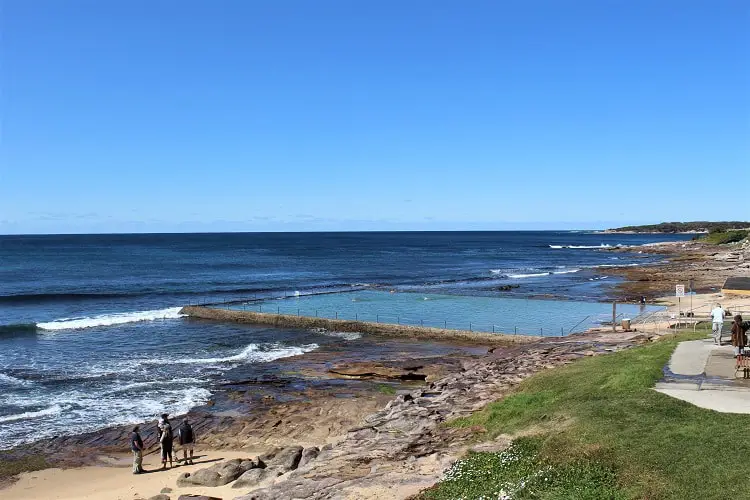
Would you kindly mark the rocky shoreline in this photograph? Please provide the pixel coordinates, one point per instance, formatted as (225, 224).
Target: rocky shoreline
(371, 444)
(706, 264)
(362, 446)
(404, 447)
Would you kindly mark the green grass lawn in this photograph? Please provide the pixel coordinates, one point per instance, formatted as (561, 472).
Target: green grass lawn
(595, 429)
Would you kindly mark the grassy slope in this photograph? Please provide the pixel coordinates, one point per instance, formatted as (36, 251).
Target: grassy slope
(724, 237)
(601, 412)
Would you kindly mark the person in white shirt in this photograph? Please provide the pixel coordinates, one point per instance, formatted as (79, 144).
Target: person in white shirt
(717, 321)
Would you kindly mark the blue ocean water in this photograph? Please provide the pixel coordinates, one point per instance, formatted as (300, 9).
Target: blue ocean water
(90, 331)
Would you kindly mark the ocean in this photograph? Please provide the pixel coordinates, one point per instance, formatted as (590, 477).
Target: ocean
(91, 335)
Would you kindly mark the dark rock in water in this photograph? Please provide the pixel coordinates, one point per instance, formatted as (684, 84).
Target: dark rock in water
(507, 288)
(254, 477)
(309, 454)
(217, 475)
(285, 459)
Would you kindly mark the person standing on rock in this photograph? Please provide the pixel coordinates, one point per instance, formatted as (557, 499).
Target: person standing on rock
(717, 322)
(186, 437)
(165, 440)
(136, 445)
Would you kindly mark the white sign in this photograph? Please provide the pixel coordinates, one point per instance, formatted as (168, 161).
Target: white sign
(679, 290)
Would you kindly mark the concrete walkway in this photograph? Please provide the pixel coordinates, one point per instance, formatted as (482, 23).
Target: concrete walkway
(703, 374)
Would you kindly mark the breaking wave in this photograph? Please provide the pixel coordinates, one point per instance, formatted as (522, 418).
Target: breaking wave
(253, 353)
(581, 247)
(111, 319)
(547, 273)
(52, 410)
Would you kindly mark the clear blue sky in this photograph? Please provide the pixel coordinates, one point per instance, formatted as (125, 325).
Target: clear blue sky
(133, 115)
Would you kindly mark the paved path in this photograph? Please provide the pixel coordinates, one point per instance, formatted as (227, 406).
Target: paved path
(703, 374)
(690, 357)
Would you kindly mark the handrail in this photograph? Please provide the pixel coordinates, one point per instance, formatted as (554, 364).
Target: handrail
(578, 324)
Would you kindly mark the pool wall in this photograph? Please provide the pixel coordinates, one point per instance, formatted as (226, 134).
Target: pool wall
(342, 325)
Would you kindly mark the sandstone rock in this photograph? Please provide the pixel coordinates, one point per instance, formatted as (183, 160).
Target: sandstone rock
(197, 497)
(253, 477)
(216, 475)
(285, 459)
(166, 490)
(308, 454)
(160, 496)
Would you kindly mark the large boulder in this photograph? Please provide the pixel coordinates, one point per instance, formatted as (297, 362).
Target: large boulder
(254, 477)
(217, 475)
(284, 459)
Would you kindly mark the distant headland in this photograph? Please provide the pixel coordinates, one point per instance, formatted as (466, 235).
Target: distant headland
(683, 227)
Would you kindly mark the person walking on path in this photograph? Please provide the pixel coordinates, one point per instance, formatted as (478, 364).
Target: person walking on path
(717, 322)
(739, 341)
(165, 440)
(186, 437)
(136, 445)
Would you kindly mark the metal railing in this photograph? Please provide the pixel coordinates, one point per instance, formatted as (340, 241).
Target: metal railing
(264, 305)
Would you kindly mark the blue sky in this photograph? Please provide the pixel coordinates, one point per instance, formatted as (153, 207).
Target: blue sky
(157, 115)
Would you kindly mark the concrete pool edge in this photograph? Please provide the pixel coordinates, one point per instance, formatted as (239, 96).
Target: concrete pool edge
(342, 325)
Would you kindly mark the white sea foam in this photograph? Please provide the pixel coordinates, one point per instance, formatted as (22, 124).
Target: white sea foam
(537, 275)
(530, 275)
(152, 383)
(251, 353)
(581, 247)
(9, 380)
(52, 410)
(344, 335)
(72, 412)
(111, 319)
(566, 271)
(617, 265)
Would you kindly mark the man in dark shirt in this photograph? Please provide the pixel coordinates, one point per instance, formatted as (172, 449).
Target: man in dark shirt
(187, 440)
(136, 445)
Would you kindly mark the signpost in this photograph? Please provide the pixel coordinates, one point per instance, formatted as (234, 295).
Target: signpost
(679, 291)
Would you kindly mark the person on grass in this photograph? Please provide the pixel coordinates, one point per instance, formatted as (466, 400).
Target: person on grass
(186, 438)
(717, 322)
(136, 445)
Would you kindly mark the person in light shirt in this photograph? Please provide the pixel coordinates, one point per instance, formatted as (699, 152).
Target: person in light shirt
(717, 321)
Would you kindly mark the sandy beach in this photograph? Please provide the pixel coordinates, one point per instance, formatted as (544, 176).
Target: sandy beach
(116, 482)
